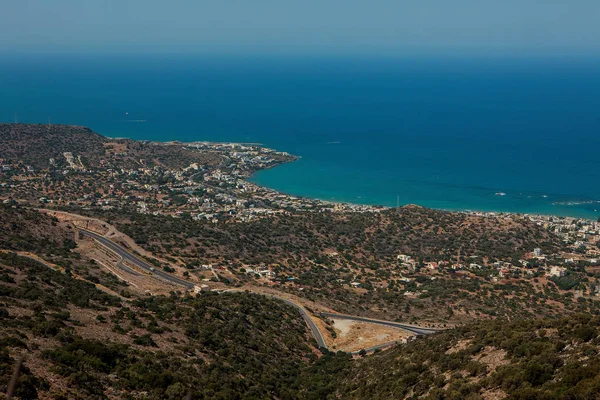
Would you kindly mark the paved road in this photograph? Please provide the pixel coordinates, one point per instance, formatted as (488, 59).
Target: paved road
(125, 268)
(130, 258)
(313, 327)
(415, 329)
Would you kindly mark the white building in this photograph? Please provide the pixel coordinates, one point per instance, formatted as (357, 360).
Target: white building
(557, 271)
(404, 257)
(201, 288)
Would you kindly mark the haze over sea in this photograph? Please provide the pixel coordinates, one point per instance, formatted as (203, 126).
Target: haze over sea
(489, 134)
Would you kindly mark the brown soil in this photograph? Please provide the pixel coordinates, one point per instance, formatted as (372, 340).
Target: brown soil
(355, 335)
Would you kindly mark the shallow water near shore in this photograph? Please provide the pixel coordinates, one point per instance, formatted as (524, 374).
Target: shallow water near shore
(518, 135)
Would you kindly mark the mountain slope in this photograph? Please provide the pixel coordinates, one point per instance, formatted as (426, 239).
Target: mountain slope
(79, 342)
(541, 359)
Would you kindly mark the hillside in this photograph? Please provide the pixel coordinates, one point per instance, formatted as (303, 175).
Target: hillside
(28, 230)
(35, 145)
(550, 359)
(324, 252)
(79, 342)
(357, 238)
(84, 334)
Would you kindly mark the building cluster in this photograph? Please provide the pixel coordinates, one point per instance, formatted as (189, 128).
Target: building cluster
(201, 192)
(581, 254)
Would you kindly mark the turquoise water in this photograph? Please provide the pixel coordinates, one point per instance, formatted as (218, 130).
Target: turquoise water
(443, 133)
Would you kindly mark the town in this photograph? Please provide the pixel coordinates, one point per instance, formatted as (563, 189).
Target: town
(219, 192)
(202, 192)
(188, 194)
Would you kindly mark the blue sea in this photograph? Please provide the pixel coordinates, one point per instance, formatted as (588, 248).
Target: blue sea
(459, 133)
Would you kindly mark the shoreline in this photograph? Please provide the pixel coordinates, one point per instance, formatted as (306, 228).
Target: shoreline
(301, 202)
(457, 210)
(376, 207)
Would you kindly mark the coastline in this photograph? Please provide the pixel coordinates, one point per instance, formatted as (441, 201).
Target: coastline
(253, 179)
(245, 161)
(473, 125)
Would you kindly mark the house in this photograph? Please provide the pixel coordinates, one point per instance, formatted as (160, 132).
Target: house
(201, 288)
(267, 273)
(524, 263)
(432, 266)
(557, 271)
(404, 258)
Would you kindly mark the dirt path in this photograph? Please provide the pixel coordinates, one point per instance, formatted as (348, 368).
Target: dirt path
(353, 336)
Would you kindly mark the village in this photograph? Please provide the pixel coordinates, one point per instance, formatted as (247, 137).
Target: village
(215, 194)
(222, 193)
(410, 276)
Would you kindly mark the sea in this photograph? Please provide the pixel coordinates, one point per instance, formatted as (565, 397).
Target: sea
(510, 134)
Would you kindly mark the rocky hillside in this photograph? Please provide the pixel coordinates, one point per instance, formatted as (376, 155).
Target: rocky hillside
(35, 145)
(549, 359)
(358, 238)
(79, 342)
(29, 230)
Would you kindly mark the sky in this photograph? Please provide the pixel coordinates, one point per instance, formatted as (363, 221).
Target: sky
(302, 26)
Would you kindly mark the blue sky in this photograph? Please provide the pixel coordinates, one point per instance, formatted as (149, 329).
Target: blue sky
(392, 27)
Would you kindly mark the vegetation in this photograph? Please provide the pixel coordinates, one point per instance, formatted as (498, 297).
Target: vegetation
(216, 346)
(325, 252)
(525, 359)
(28, 230)
(240, 345)
(32, 232)
(357, 238)
(35, 145)
(83, 335)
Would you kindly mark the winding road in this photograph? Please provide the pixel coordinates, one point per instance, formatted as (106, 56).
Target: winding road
(138, 262)
(311, 324)
(313, 327)
(127, 256)
(411, 328)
